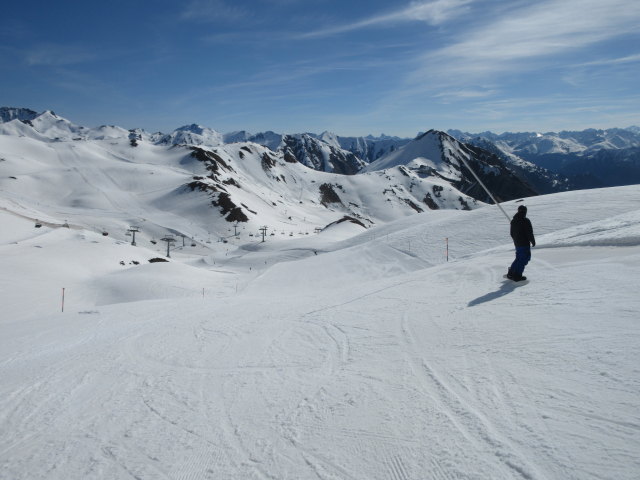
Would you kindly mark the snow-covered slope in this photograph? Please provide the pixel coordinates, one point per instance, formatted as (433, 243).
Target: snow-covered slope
(371, 148)
(192, 135)
(324, 155)
(107, 179)
(329, 355)
(437, 154)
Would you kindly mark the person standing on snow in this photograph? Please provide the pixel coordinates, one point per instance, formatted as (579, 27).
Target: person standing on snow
(523, 239)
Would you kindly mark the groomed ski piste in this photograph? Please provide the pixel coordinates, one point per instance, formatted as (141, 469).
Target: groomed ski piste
(347, 354)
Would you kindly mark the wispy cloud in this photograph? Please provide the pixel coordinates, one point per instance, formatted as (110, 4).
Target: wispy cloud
(545, 29)
(556, 112)
(434, 13)
(462, 94)
(611, 61)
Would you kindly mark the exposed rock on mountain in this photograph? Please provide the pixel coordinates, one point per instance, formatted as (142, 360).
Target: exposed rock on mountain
(587, 159)
(23, 114)
(321, 156)
(437, 154)
(542, 180)
(371, 148)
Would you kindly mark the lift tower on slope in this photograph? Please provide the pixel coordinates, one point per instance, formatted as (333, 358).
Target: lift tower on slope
(170, 241)
(132, 231)
(263, 232)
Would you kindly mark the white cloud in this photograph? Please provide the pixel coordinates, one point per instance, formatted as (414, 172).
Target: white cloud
(434, 12)
(543, 30)
(612, 61)
(465, 94)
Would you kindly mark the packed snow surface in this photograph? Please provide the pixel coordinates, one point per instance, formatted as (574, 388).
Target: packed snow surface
(337, 355)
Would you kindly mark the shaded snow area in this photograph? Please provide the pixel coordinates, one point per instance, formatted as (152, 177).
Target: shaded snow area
(345, 354)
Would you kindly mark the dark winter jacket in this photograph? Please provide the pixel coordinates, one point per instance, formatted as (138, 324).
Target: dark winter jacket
(522, 231)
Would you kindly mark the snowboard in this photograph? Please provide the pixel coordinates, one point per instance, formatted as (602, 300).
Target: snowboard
(522, 282)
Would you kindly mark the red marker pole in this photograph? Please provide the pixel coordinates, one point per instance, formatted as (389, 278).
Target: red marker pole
(63, 299)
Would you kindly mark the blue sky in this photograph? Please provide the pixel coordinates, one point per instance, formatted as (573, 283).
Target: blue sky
(349, 67)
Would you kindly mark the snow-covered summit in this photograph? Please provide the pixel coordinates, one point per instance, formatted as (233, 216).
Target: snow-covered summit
(47, 125)
(193, 135)
(428, 148)
(104, 132)
(529, 144)
(438, 154)
(331, 139)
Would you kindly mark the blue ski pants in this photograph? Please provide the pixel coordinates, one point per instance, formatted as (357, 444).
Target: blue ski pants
(523, 255)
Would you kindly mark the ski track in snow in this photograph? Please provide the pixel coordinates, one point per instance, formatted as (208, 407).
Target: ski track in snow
(340, 365)
(475, 429)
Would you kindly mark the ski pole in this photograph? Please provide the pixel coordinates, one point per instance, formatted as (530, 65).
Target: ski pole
(485, 187)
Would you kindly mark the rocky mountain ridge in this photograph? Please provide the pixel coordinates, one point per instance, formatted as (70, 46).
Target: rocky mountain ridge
(590, 158)
(323, 153)
(52, 168)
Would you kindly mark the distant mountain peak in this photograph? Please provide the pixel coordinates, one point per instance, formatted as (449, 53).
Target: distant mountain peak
(194, 128)
(439, 155)
(8, 114)
(193, 134)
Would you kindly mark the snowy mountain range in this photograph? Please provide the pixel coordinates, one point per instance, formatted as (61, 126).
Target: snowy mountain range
(578, 159)
(282, 181)
(271, 178)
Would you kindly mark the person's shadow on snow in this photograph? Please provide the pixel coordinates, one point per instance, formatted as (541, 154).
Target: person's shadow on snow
(506, 287)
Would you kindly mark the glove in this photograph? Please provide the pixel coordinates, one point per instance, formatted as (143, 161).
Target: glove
(533, 244)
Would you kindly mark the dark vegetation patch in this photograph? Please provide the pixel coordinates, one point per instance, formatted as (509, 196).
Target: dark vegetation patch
(157, 259)
(212, 160)
(267, 162)
(289, 157)
(231, 181)
(413, 205)
(226, 205)
(347, 218)
(465, 205)
(236, 215)
(203, 186)
(328, 194)
(430, 202)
